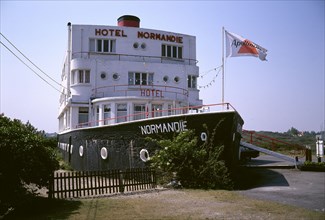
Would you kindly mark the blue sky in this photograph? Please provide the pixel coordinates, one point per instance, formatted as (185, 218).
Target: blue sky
(285, 91)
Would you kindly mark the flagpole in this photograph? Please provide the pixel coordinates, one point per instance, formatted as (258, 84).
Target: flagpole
(223, 65)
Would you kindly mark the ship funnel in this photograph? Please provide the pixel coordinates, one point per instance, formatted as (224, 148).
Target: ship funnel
(128, 21)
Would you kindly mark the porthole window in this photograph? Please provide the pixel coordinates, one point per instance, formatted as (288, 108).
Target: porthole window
(165, 78)
(103, 153)
(144, 155)
(176, 79)
(103, 75)
(116, 76)
(143, 46)
(81, 151)
(135, 45)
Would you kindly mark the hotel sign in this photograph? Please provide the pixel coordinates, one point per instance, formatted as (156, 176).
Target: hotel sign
(140, 34)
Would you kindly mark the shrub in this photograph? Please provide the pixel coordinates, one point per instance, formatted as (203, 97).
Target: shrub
(195, 166)
(26, 156)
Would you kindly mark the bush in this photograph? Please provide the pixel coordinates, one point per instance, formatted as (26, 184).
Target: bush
(195, 166)
(26, 156)
(313, 166)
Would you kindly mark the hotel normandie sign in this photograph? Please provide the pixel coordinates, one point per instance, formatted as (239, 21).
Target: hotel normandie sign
(141, 34)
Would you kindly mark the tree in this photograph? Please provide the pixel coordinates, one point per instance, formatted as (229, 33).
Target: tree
(26, 156)
(293, 131)
(195, 167)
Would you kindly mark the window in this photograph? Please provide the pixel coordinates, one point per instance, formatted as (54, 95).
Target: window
(97, 115)
(191, 81)
(107, 114)
(80, 76)
(157, 110)
(176, 79)
(171, 51)
(83, 115)
(139, 111)
(121, 112)
(102, 45)
(136, 78)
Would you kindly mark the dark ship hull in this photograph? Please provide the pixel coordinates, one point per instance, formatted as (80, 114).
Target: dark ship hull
(121, 146)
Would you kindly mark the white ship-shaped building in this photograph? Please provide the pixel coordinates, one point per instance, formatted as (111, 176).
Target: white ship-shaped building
(124, 83)
(125, 70)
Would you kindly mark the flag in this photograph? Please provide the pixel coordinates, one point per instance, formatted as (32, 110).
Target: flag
(238, 46)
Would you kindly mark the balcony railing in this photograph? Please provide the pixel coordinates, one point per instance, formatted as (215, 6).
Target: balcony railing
(134, 58)
(152, 91)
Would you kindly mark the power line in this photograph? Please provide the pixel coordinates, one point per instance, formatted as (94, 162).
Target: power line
(30, 67)
(29, 60)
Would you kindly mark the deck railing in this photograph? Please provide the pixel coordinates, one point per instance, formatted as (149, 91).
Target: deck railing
(160, 113)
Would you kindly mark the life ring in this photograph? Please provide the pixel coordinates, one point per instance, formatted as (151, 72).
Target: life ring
(103, 153)
(204, 136)
(144, 155)
(81, 151)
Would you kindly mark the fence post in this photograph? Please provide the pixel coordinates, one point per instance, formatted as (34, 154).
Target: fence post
(120, 179)
(51, 186)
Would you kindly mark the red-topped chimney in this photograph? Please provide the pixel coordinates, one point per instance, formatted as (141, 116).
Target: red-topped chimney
(128, 21)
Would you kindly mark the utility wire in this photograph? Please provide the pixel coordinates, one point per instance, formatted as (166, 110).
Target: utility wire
(29, 60)
(30, 67)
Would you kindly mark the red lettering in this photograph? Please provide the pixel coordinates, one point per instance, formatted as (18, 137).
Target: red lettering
(104, 32)
(140, 34)
(146, 35)
(151, 92)
(157, 36)
(97, 32)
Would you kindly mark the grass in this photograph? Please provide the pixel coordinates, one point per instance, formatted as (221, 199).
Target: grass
(170, 204)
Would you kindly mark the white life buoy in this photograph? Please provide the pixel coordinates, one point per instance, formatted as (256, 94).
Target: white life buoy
(204, 136)
(103, 153)
(81, 151)
(144, 155)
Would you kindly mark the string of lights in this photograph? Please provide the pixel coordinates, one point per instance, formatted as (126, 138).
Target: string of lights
(213, 80)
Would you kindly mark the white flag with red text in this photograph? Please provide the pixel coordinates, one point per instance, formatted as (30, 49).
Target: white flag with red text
(238, 46)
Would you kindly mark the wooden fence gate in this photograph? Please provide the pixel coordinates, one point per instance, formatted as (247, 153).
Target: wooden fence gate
(73, 184)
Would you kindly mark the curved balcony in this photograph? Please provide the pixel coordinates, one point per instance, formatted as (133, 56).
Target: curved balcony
(149, 91)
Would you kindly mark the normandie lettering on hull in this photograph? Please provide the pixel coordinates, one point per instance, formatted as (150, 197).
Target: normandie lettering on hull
(177, 126)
